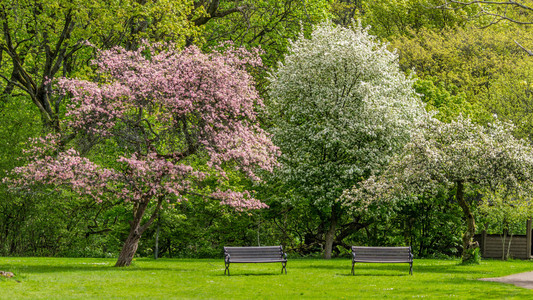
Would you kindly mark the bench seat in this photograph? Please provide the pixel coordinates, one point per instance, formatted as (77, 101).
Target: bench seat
(382, 255)
(264, 254)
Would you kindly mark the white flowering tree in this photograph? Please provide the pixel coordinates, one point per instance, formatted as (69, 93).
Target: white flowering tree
(341, 108)
(458, 157)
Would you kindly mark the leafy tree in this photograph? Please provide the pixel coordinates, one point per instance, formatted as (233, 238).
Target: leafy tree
(505, 213)
(266, 23)
(493, 60)
(158, 124)
(457, 158)
(432, 226)
(16, 126)
(511, 96)
(43, 40)
(395, 18)
(345, 11)
(443, 103)
(341, 108)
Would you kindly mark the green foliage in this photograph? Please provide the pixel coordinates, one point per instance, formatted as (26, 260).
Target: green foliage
(43, 40)
(447, 107)
(398, 17)
(345, 11)
(511, 96)
(501, 212)
(269, 24)
(495, 12)
(431, 226)
(479, 66)
(199, 228)
(473, 257)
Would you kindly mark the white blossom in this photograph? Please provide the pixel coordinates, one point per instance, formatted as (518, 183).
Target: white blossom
(341, 108)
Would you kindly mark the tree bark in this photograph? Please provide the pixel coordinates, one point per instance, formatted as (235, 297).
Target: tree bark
(129, 248)
(468, 237)
(156, 247)
(136, 230)
(330, 234)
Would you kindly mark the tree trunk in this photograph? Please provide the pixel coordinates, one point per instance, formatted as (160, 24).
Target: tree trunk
(156, 247)
(49, 117)
(504, 239)
(508, 255)
(330, 235)
(468, 237)
(129, 248)
(136, 230)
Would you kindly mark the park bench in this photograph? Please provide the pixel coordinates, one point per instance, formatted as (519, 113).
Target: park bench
(382, 255)
(266, 254)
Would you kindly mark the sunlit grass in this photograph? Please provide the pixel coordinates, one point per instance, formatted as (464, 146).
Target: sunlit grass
(88, 278)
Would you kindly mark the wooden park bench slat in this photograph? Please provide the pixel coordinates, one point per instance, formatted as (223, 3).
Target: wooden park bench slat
(265, 254)
(382, 255)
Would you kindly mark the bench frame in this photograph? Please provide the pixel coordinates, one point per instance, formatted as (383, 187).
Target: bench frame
(382, 255)
(263, 254)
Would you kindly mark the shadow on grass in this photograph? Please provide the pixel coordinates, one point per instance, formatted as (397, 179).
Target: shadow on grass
(250, 274)
(376, 275)
(370, 269)
(325, 267)
(32, 268)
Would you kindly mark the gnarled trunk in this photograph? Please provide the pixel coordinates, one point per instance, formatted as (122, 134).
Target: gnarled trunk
(129, 248)
(469, 245)
(136, 230)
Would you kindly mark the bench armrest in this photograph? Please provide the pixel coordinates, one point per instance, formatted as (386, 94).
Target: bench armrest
(227, 257)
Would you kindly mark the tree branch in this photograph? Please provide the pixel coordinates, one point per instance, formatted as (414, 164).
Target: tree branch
(212, 13)
(153, 216)
(529, 52)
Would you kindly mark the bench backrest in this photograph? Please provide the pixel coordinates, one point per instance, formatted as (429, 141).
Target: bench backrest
(383, 253)
(266, 252)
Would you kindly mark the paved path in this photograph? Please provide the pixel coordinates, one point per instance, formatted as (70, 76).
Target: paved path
(524, 280)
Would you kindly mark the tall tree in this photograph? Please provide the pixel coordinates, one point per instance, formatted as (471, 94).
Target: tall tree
(159, 123)
(459, 158)
(341, 108)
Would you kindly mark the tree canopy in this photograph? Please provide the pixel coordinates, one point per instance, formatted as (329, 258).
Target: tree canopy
(154, 115)
(341, 108)
(458, 157)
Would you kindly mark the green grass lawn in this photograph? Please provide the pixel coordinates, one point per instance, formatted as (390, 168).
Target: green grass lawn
(83, 278)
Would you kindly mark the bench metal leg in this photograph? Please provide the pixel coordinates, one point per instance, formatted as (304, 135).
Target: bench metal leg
(411, 268)
(353, 266)
(227, 268)
(284, 267)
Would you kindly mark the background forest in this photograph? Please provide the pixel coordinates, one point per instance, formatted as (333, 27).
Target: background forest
(470, 60)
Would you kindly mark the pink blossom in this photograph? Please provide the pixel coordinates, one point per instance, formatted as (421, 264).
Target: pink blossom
(160, 111)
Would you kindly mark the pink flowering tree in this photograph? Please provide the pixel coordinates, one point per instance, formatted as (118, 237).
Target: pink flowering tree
(138, 132)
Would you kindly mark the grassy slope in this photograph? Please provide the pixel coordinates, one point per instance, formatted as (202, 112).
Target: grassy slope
(70, 278)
